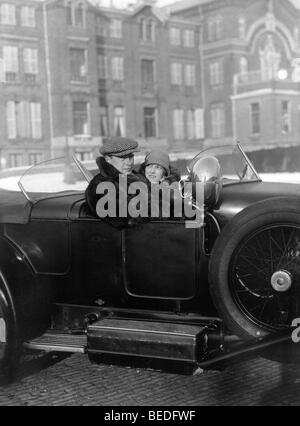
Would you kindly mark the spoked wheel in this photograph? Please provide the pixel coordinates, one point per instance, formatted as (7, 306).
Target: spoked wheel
(263, 275)
(255, 268)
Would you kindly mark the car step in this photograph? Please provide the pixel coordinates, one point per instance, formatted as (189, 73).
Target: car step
(58, 342)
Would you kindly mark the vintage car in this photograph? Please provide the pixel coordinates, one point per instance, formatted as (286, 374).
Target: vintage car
(70, 281)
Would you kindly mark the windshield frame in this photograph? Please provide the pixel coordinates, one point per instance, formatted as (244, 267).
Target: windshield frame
(47, 195)
(227, 146)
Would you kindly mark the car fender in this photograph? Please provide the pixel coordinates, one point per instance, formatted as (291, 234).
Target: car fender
(27, 298)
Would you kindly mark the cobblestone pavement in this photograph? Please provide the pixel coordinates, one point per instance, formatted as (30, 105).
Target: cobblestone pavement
(60, 379)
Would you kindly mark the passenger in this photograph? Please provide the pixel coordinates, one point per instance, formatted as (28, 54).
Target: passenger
(164, 187)
(117, 159)
(156, 168)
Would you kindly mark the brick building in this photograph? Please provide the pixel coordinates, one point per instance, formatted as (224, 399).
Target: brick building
(196, 73)
(251, 63)
(75, 73)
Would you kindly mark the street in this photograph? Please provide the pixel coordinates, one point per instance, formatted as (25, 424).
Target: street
(72, 380)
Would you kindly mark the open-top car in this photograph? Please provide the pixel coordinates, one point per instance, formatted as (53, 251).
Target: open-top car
(155, 289)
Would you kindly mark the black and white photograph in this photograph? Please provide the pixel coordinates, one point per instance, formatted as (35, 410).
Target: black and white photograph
(150, 205)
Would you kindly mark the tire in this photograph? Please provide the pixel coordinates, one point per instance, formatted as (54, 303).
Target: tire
(254, 269)
(9, 348)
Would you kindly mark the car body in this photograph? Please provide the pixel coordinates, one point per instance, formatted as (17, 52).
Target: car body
(63, 271)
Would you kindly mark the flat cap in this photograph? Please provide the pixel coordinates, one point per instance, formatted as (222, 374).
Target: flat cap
(119, 147)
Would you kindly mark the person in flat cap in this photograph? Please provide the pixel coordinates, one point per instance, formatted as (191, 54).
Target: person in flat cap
(117, 158)
(157, 168)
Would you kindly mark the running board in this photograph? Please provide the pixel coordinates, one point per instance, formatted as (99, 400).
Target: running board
(58, 342)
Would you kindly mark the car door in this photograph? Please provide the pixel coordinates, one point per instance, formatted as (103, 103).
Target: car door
(160, 260)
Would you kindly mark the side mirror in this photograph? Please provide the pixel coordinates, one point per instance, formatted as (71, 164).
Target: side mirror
(207, 170)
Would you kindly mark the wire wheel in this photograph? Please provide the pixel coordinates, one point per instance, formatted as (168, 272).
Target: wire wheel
(264, 275)
(254, 269)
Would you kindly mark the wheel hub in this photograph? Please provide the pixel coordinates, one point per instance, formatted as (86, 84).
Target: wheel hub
(281, 281)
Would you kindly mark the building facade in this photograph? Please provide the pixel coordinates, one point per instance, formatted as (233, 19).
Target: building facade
(197, 73)
(75, 73)
(251, 63)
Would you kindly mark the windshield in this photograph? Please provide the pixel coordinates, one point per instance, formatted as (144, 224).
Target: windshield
(235, 165)
(59, 175)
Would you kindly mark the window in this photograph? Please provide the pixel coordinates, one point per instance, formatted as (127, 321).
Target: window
(219, 27)
(11, 61)
(79, 14)
(243, 65)
(216, 73)
(69, 12)
(178, 123)
(30, 57)
(255, 118)
(103, 122)
(28, 16)
(81, 123)
(211, 29)
(189, 38)
(101, 26)
(119, 121)
(78, 65)
(15, 160)
(149, 122)
(35, 157)
(242, 27)
(147, 74)
(116, 28)
(176, 73)
(285, 117)
(142, 29)
(8, 14)
(199, 123)
(102, 66)
(150, 30)
(175, 36)
(218, 121)
(190, 124)
(24, 119)
(190, 75)
(195, 124)
(117, 68)
(75, 13)
(215, 28)
(36, 120)
(11, 119)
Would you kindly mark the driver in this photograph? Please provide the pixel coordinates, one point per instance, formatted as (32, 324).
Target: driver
(117, 158)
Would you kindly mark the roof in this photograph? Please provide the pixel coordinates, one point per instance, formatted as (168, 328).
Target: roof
(177, 6)
(185, 4)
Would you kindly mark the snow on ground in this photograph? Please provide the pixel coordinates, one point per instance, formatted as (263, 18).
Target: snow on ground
(281, 177)
(55, 182)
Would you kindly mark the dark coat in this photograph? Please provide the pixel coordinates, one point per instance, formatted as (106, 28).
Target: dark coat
(108, 173)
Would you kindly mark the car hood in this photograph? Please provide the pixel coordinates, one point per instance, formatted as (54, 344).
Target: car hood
(236, 197)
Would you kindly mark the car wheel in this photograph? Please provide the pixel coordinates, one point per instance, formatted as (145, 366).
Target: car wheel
(9, 348)
(254, 269)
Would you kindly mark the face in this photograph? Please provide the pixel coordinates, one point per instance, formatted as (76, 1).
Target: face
(154, 173)
(123, 164)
